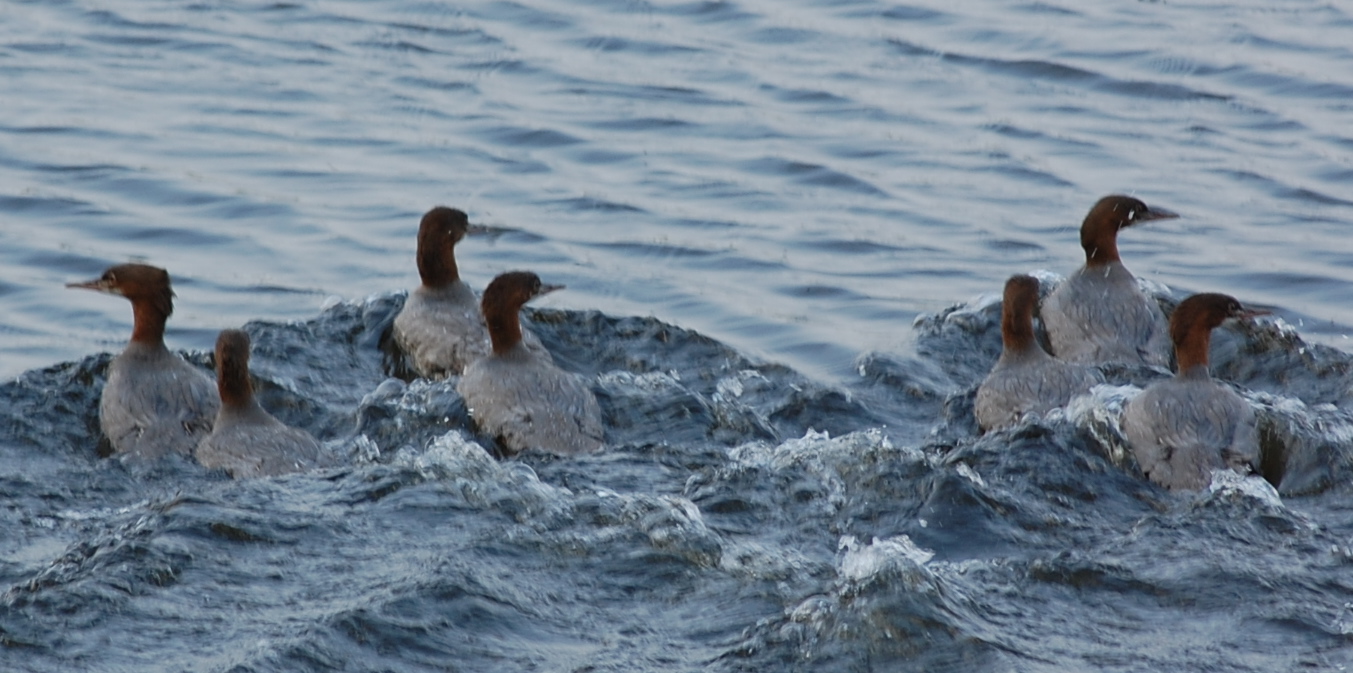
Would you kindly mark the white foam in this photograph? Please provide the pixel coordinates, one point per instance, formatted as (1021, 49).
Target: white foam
(1226, 481)
(730, 388)
(1100, 412)
(965, 471)
(648, 381)
(863, 562)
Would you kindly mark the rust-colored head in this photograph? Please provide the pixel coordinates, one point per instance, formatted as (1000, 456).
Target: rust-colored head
(503, 300)
(438, 233)
(1099, 231)
(1193, 321)
(147, 287)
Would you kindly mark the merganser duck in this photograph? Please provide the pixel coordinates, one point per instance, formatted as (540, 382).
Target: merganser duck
(1099, 314)
(153, 402)
(1182, 428)
(247, 441)
(440, 327)
(1026, 379)
(518, 397)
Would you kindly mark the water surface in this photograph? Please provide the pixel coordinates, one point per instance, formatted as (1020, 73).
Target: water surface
(750, 202)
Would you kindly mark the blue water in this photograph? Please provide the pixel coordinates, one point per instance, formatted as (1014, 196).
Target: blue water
(751, 203)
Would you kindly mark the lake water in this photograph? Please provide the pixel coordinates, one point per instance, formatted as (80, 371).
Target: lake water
(750, 203)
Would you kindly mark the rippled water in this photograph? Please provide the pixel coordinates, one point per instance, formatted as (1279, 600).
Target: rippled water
(791, 184)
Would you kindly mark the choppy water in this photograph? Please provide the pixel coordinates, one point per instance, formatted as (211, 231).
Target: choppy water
(750, 203)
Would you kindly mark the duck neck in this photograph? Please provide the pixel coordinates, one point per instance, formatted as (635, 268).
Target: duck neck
(437, 263)
(1099, 239)
(148, 321)
(1191, 353)
(1101, 252)
(1017, 330)
(232, 381)
(504, 325)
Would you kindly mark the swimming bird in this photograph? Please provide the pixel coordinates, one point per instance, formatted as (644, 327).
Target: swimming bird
(1026, 379)
(440, 327)
(153, 402)
(1182, 428)
(518, 397)
(247, 441)
(1099, 314)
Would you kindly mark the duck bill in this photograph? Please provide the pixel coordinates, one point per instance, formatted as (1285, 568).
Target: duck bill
(1249, 313)
(1156, 214)
(98, 285)
(546, 289)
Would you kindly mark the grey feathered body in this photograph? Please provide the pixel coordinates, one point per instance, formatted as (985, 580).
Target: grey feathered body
(250, 442)
(1099, 314)
(527, 402)
(1183, 428)
(1029, 381)
(442, 331)
(155, 403)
